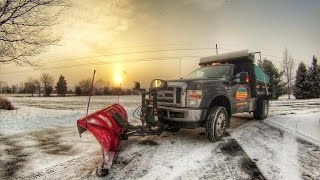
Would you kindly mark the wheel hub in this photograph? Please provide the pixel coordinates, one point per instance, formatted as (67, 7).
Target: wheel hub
(220, 125)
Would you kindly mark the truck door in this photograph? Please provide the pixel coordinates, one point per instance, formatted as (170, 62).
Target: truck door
(241, 91)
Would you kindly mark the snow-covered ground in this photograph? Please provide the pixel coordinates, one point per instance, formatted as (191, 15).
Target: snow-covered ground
(34, 113)
(39, 140)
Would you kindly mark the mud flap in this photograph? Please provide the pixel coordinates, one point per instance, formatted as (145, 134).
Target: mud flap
(107, 125)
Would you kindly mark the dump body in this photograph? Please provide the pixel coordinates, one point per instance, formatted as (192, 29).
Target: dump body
(224, 90)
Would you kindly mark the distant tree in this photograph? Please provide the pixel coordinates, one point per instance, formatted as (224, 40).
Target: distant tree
(21, 87)
(61, 86)
(301, 89)
(3, 85)
(107, 90)
(48, 90)
(14, 89)
(288, 68)
(99, 86)
(278, 87)
(31, 86)
(85, 86)
(38, 87)
(78, 91)
(47, 82)
(314, 78)
(7, 89)
(24, 28)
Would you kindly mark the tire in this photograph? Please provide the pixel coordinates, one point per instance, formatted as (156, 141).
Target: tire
(216, 123)
(262, 110)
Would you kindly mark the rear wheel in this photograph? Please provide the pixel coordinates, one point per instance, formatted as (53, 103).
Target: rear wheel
(262, 110)
(216, 123)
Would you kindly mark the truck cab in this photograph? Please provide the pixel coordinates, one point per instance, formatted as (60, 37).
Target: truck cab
(223, 85)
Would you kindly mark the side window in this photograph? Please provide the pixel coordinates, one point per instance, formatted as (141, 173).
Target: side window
(236, 70)
(237, 77)
(236, 73)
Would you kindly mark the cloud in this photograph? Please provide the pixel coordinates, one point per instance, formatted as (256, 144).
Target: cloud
(92, 25)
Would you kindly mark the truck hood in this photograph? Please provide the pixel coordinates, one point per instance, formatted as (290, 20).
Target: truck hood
(204, 80)
(197, 83)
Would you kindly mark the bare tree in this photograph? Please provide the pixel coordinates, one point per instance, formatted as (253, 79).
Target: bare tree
(99, 87)
(38, 87)
(85, 86)
(47, 82)
(288, 65)
(31, 86)
(24, 28)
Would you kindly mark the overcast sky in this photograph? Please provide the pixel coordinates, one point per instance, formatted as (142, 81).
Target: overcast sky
(103, 35)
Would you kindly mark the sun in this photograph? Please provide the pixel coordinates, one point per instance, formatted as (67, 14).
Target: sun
(118, 79)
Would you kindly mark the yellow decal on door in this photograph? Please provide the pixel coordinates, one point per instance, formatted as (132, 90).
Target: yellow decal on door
(242, 94)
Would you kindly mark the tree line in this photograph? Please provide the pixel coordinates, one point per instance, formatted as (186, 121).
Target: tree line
(307, 81)
(100, 87)
(45, 86)
(303, 84)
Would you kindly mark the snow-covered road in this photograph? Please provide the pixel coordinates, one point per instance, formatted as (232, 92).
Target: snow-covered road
(40, 141)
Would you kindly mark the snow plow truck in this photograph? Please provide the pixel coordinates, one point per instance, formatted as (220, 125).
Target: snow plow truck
(223, 85)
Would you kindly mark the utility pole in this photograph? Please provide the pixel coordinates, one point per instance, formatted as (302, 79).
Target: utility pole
(217, 49)
(180, 68)
(90, 94)
(119, 91)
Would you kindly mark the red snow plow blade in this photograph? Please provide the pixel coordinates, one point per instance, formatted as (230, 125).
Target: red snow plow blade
(107, 125)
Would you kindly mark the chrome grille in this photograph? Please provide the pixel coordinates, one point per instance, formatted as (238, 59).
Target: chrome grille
(171, 96)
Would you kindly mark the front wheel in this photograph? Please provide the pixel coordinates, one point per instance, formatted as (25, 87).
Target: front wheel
(216, 123)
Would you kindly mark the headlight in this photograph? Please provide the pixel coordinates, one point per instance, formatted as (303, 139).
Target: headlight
(194, 98)
(158, 84)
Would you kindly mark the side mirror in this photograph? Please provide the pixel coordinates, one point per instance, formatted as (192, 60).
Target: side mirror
(158, 84)
(136, 86)
(244, 77)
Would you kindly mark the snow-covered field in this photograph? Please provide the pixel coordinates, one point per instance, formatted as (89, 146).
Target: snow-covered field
(39, 140)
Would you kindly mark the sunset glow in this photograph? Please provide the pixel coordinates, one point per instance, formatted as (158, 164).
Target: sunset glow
(118, 79)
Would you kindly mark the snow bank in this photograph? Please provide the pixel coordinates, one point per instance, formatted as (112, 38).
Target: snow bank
(35, 113)
(305, 125)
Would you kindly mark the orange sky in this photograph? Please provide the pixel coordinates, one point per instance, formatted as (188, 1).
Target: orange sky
(155, 35)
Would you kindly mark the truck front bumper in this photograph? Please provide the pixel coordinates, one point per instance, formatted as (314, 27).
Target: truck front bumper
(181, 114)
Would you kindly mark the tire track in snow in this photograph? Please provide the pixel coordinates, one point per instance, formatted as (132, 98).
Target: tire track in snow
(184, 155)
(227, 161)
(77, 168)
(280, 154)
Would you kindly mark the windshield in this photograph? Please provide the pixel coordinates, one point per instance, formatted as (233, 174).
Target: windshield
(221, 71)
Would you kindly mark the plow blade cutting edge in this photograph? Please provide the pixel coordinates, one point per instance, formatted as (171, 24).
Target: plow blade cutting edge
(107, 125)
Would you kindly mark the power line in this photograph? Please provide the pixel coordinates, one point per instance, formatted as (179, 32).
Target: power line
(146, 45)
(138, 46)
(105, 63)
(135, 52)
(126, 53)
(129, 60)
